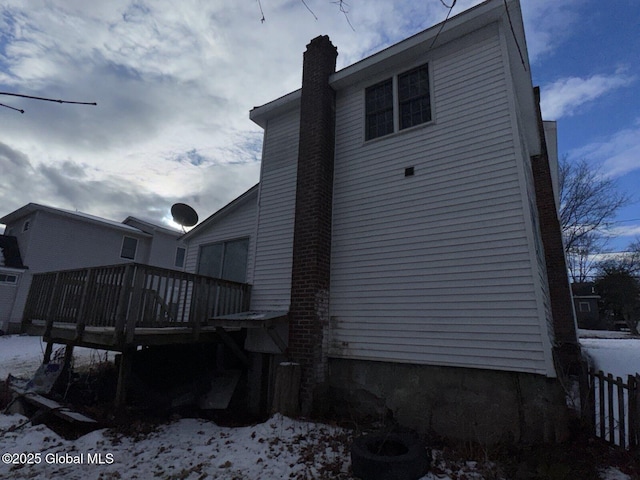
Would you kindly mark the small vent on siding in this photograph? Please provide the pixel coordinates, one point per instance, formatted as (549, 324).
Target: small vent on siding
(408, 172)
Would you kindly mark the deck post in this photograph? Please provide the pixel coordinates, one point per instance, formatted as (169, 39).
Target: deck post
(81, 319)
(47, 353)
(123, 377)
(136, 304)
(287, 389)
(68, 358)
(123, 303)
(197, 311)
(246, 298)
(51, 305)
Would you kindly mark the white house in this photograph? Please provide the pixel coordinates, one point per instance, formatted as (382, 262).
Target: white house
(11, 271)
(52, 239)
(406, 222)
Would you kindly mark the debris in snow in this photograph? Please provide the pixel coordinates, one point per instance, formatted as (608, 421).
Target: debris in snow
(192, 449)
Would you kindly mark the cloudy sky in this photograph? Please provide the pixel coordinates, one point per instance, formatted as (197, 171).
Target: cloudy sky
(174, 83)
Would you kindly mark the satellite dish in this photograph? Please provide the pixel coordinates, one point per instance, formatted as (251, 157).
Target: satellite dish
(184, 215)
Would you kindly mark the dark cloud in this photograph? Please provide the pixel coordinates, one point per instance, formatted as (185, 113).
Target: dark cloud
(69, 185)
(66, 185)
(10, 158)
(110, 197)
(16, 175)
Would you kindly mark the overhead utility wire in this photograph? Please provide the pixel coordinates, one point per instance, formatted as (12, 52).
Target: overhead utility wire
(443, 23)
(261, 12)
(628, 220)
(513, 32)
(39, 98)
(12, 108)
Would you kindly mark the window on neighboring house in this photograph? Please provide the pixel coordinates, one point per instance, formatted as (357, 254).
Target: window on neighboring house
(400, 102)
(12, 279)
(26, 225)
(226, 260)
(129, 246)
(180, 255)
(584, 307)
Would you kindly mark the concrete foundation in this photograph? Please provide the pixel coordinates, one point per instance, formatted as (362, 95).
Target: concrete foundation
(482, 406)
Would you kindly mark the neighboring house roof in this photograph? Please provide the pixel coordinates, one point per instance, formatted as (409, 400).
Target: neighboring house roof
(249, 195)
(34, 207)
(149, 227)
(10, 252)
(584, 290)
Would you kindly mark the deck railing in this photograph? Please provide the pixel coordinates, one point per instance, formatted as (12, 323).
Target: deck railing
(130, 296)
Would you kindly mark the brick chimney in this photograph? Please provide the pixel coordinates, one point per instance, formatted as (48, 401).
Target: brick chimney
(566, 347)
(309, 311)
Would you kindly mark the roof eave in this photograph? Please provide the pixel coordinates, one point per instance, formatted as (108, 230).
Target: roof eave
(260, 115)
(85, 217)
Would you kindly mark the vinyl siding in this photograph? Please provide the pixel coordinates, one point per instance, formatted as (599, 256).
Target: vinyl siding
(538, 246)
(274, 249)
(61, 243)
(534, 222)
(436, 268)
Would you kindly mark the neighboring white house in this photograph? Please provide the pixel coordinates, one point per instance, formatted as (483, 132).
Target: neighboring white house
(11, 271)
(406, 220)
(51, 239)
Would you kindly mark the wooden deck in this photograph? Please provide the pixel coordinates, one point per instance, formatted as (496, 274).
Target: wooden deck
(121, 307)
(124, 307)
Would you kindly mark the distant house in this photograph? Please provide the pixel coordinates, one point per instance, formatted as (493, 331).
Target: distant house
(52, 239)
(406, 224)
(585, 302)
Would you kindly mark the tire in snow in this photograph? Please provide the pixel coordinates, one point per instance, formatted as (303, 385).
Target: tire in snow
(389, 456)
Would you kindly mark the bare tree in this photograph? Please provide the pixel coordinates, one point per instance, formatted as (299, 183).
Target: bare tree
(581, 259)
(633, 256)
(341, 4)
(629, 260)
(589, 201)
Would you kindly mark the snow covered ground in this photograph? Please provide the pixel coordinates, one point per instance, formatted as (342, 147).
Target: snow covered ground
(197, 449)
(612, 352)
(20, 355)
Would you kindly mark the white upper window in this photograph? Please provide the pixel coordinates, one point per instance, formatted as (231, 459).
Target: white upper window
(397, 103)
